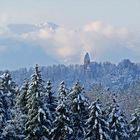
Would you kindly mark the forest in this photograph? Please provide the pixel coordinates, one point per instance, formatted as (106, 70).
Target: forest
(35, 111)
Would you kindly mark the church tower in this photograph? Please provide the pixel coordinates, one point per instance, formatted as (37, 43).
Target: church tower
(86, 61)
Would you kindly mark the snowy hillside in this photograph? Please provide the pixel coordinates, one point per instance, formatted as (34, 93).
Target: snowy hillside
(116, 77)
(36, 112)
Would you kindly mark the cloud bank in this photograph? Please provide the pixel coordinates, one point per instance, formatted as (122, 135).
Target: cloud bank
(103, 41)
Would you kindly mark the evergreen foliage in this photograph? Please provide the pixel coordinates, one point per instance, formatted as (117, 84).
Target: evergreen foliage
(135, 124)
(61, 130)
(79, 111)
(62, 93)
(22, 98)
(36, 119)
(51, 99)
(35, 113)
(8, 93)
(15, 128)
(97, 126)
(117, 123)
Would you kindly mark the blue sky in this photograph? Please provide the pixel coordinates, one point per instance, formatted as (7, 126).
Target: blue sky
(116, 23)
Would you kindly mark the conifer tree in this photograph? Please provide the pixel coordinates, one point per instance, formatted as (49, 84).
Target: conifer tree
(62, 93)
(117, 123)
(97, 126)
(8, 92)
(79, 111)
(7, 84)
(51, 99)
(22, 98)
(15, 128)
(2, 114)
(37, 125)
(61, 130)
(135, 124)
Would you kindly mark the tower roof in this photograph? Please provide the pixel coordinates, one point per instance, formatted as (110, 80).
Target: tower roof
(87, 58)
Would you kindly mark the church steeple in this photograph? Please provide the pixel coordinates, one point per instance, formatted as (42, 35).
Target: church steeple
(86, 60)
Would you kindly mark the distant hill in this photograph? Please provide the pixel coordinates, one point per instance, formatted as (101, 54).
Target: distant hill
(116, 77)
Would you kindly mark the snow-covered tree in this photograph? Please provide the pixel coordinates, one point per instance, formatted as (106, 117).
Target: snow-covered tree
(8, 92)
(51, 99)
(97, 127)
(6, 83)
(61, 130)
(37, 125)
(135, 124)
(15, 128)
(8, 88)
(22, 98)
(9, 132)
(117, 123)
(62, 92)
(79, 111)
(2, 114)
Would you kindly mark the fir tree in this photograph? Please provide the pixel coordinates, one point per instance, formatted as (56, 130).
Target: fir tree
(7, 100)
(62, 93)
(7, 84)
(9, 90)
(61, 130)
(79, 111)
(135, 124)
(51, 99)
(37, 125)
(22, 98)
(2, 114)
(15, 128)
(117, 123)
(97, 126)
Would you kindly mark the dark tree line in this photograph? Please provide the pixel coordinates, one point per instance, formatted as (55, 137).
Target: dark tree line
(35, 112)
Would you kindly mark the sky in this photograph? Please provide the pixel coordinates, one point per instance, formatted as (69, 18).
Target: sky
(73, 13)
(109, 30)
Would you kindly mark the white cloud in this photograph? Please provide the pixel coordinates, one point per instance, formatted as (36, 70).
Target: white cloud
(3, 19)
(98, 38)
(107, 30)
(93, 27)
